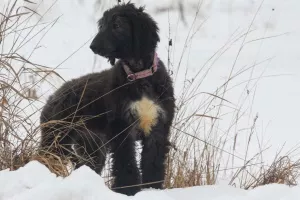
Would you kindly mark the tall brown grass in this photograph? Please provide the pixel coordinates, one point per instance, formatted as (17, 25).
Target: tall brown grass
(19, 82)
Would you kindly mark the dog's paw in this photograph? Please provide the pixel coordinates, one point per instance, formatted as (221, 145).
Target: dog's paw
(129, 191)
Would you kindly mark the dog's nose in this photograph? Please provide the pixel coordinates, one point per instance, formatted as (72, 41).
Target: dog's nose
(93, 47)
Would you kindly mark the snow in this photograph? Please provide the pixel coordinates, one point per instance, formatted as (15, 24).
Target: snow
(35, 182)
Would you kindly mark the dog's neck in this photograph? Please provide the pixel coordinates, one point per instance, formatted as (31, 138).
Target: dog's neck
(137, 65)
(142, 68)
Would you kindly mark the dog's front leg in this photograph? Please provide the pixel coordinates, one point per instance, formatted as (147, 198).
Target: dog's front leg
(125, 171)
(155, 150)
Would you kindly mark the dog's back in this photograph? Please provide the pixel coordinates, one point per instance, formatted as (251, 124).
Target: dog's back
(77, 104)
(67, 101)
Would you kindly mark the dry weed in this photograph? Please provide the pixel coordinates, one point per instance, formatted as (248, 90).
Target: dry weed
(19, 80)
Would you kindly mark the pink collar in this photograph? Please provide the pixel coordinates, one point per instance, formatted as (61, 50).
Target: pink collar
(142, 74)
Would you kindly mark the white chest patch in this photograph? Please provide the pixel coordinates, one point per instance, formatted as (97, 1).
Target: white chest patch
(147, 112)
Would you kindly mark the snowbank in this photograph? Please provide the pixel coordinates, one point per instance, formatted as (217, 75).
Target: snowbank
(35, 182)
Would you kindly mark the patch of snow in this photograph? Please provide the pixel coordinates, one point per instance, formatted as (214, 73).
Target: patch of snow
(35, 182)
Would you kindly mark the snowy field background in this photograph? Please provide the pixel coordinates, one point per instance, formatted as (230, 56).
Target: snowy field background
(271, 95)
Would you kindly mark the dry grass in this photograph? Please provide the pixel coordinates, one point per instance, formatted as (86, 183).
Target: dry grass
(282, 171)
(54, 163)
(202, 153)
(19, 134)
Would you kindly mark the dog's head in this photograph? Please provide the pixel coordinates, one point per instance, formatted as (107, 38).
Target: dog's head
(125, 32)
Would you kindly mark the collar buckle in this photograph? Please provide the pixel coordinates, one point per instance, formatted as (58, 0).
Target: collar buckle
(131, 77)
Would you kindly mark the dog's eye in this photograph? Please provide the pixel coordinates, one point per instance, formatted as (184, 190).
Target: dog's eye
(116, 26)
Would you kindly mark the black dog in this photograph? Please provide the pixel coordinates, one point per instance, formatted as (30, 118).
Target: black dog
(112, 109)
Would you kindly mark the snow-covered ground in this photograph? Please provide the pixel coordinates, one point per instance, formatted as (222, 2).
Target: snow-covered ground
(35, 182)
(272, 94)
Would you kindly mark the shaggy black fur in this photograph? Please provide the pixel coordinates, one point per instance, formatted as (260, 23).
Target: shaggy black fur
(91, 114)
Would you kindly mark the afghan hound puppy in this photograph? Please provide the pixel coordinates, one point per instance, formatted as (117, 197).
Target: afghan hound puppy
(108, 111)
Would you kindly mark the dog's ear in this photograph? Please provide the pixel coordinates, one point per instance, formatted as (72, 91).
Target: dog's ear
(145, 33)
(136, 33)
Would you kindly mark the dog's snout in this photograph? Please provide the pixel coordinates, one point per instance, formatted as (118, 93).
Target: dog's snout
(101, 45)
(93, 47)
(95, 44)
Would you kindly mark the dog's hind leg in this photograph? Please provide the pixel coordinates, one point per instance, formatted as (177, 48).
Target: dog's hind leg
(90, 150)
(56, 140)
(125, 170)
